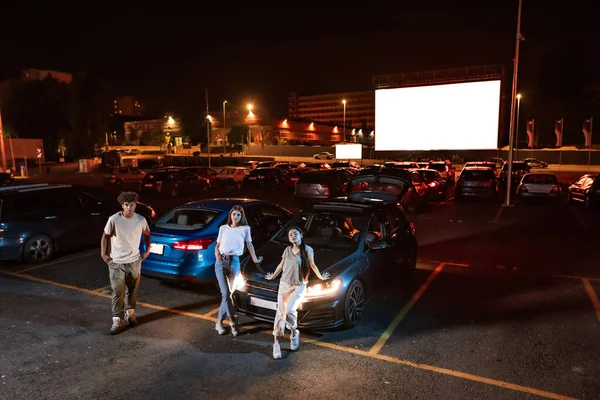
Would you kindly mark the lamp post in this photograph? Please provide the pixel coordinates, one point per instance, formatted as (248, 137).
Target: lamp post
(517, 128)
(249, 106)
(344, 103)
(512, 108)
(224, 150)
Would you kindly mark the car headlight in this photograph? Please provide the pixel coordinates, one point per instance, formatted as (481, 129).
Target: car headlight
(238, 283)
(323, 289)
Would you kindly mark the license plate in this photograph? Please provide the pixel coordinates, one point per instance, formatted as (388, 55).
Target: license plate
(148, 185)
(271, 305)
(157, 248)
(252, 178)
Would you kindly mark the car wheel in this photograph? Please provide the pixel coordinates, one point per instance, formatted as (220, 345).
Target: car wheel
(38, 249)
(354, 304)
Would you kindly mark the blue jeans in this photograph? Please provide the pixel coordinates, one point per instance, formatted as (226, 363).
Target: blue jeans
(226, 271)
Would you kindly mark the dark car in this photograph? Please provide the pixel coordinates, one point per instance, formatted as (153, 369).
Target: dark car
(269, 178)
(6, 178)
(585, 190)
(519, 169)
(38, 220)
(437, 186)
(174, 181)
(362, 243)
(476, 182)
(406, 187)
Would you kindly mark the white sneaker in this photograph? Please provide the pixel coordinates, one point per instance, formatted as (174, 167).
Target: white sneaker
(219, 328)
(276, 351)
(117, 326)
(235, 330)
(295, 341)
(130, 319)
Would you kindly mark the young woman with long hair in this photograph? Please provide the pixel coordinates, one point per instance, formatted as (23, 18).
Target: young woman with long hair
(296, 263)
(230, 246)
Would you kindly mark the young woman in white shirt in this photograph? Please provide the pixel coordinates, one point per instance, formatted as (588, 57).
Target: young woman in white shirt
(230, 246)
(296, 262)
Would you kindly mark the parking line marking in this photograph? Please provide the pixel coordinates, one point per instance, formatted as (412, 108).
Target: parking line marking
(89, 253)
(426, 367)
(208, 314)
(579, 218)
(447, 200)
(445, 262)
(388, 332)
(590, 289)
(498, 215)
(102, 288)
(576, 277)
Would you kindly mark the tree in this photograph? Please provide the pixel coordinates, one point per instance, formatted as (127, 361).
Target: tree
(238, 134)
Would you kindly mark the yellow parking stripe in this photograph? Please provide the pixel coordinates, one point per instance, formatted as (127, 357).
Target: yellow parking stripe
(590, 289)
(388, 332)
(59, 261)
(443, 371)
(577, 277)
(208, 314)
(102, 288)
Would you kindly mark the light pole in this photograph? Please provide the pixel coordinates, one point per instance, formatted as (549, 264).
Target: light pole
(344, 103)
(249, 106)
(224, 150)
(511, 137)
(517, 129)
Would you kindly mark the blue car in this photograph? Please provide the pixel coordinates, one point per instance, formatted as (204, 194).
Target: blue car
(184, 239)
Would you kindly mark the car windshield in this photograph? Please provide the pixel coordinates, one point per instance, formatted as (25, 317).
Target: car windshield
(186, 219)
(326, 230)
(540, 179)
(429, 174)
(227, 171)
(479, 175)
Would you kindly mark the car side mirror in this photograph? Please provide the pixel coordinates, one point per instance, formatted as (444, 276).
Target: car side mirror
(377, 244)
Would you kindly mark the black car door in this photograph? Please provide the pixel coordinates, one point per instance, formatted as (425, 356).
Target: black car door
(399, 237)
(377, 259)
(255, 218)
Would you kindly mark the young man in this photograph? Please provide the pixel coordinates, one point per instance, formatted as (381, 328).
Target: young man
(125, 230)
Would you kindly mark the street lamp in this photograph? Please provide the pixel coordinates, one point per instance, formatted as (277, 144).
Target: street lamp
(249, 106)
(517, 127)
(224, 102)
(344, 103)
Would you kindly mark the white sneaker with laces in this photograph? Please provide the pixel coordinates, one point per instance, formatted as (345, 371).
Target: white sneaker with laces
(117, 326)
(276, 351)
(295, 341)
(219, 328)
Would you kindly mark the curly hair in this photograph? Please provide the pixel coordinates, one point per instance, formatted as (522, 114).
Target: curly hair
(128, 197)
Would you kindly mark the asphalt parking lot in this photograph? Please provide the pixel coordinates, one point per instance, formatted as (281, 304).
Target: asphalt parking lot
(504, 304)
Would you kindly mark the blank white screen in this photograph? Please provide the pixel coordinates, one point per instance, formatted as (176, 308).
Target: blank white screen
(348, 151)
(458, 116)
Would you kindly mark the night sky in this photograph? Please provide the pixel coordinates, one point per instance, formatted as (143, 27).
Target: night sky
(168, 56)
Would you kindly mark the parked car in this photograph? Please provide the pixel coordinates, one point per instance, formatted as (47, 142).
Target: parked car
(39, 220)
(174, 181)
(231, 176)
(586, 190)
(519, 169)
(476, 182)
(124, 175)
(7, 178)
(269, 178)
(324, 155)
(539, 186)
(184, 239)
(362, 243)
(535, 163)
(203, 172)
(437, 187)
(320, 185)
(445, 168)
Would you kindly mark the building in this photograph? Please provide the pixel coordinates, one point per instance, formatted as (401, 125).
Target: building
(168, 127)
(127, 106)
(329, 108)
(291, 131)
(33, 74)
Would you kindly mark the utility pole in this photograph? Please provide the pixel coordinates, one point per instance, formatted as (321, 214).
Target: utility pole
(208, 128)
(513, 101)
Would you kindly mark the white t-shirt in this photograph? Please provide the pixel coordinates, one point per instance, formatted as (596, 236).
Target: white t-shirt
(126, 236)
(231, 240)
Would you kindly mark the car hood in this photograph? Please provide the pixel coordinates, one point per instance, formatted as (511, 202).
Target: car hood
(326, 259)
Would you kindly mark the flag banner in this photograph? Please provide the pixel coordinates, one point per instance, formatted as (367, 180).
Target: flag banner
(530, 132)
(587, 132)
(558, 131)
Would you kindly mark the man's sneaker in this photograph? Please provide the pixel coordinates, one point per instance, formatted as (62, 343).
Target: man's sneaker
(220, 329)
(117, 326)
(235, 330)
(130, 319)
(295, 341)
(276, 351)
